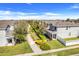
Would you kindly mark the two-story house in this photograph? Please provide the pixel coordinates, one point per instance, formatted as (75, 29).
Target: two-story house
(62, 29)
(6, 32)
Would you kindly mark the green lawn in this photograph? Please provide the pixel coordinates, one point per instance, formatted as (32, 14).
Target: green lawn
(74, 38)
(54, 44)
(62, 53)
(14, 50)
(34, 36)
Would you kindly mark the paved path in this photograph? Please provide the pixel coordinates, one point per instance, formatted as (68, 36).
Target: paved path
(32, 44)
(49, 51)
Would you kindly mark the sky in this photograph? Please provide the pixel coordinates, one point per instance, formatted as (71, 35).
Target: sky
(39, 10)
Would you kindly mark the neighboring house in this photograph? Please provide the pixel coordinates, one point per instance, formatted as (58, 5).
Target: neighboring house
(62, 29)
(6, 31)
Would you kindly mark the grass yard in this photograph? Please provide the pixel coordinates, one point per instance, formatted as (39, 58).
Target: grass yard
(34, 36)
(14, 50)
(74, 38)
(54, 44)
(62, 53)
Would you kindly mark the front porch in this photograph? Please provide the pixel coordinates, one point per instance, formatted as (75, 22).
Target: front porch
(51, 34)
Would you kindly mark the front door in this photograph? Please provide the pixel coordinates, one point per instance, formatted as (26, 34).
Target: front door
(54, 35)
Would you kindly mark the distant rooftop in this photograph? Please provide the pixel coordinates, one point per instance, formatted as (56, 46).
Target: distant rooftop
(4, 23)
(62, 23)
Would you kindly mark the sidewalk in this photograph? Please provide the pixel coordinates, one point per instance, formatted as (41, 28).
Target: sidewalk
(32, 44)
(49, 51)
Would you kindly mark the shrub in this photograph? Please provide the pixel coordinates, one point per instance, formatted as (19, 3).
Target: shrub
(20, 37)
(40, 41)
(45, 46)
(42, 36)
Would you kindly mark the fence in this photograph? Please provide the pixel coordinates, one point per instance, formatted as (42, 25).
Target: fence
(67, 43)
(61, 40)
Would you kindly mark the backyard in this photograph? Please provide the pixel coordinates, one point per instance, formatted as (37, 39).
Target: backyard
(14, 50)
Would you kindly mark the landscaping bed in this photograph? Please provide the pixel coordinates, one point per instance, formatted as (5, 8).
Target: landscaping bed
(15, 50)
(34, 36)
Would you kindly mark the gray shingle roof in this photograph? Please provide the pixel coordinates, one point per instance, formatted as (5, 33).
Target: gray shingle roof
(62, 23)
(4, 23)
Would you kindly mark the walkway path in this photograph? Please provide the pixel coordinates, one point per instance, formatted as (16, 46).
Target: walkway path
(49, 51)
(32, 44)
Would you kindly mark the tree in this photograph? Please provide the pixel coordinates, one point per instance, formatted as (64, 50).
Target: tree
(38, 24)
(21, 27)
(67, 19)
(20, 30)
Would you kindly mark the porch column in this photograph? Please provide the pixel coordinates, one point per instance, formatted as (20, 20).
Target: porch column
(13, 41)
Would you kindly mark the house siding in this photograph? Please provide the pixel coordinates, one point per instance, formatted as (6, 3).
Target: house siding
(3, 40)
(68, 33)
(4, 34)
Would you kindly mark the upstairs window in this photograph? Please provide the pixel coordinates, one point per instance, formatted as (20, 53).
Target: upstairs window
(69, 33)
(66, 27)
(54, 28)
(7, 28)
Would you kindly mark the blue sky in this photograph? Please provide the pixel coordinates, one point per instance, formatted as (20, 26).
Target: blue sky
(39, 10)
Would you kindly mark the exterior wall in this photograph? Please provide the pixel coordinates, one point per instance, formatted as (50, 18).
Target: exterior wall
(71, 32)
(9, 31)
(2, 33)
(61, 40)
(49, 34)
(3, 40)
(3, 36)
(11, 27)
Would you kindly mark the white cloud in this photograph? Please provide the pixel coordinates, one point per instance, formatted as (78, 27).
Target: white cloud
(75, 7)
(13, 13)
(51, 14)
(25, 15)
(5, 12)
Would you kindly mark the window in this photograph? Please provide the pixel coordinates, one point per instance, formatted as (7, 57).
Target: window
(9, 40)
(54, 28)
(66, 27)
(54, 35)
(51, 35)
(69, 33)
